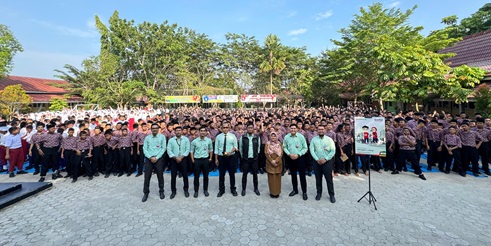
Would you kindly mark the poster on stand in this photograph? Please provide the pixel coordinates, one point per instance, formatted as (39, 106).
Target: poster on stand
(370, 136)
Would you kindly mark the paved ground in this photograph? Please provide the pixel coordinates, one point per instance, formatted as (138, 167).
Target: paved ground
(444, 210)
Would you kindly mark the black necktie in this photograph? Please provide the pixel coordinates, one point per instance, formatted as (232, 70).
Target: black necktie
(225, 143)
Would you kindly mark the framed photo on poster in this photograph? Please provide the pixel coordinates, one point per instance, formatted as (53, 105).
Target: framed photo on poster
(370, 136)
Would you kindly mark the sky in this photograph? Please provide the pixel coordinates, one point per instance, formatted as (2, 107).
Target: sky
(58, 32)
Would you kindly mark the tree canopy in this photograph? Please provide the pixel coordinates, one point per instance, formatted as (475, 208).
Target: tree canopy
(379, 55)
(9, 46)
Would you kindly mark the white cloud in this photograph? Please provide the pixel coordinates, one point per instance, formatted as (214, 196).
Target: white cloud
(393, 4)
(294, 39)
(297, 31)
(323, 15)
(90, 33)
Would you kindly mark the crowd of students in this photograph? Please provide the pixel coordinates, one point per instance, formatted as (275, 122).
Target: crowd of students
(112, 142)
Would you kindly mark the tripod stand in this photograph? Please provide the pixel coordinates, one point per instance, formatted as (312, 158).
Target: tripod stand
(371, 197)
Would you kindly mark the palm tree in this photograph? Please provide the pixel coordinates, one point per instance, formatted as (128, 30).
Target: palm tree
(274, 63)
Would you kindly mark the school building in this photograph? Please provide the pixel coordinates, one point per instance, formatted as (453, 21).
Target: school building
(42, 91)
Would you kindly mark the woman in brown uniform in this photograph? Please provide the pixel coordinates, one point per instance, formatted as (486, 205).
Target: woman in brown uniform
(274, 164)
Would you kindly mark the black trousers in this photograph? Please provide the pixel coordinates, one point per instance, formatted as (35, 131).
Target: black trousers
(140, 161)
(325, 171)
(111, 157)
(201, 165)
(70, 159)
(50, 160)
(249, 164)
(348, 150)
(419, 149)
(226, 163)
(455, 156)
(98, 164)
(134, 158)
(484, 154)
(297, 165)
(125, 160)
(434, 156)
(181, 167)
(36, 159)
(470, 155)
(262, 157)
(150, 167)
(85, 161)
(409, 155)
(388, 160)
(365, 163)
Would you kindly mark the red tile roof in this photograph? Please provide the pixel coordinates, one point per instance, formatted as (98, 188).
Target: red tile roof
(474, 50)
(40, 90)
(35, 84)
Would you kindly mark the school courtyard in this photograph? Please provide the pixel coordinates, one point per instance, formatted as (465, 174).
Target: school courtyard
(446, 209)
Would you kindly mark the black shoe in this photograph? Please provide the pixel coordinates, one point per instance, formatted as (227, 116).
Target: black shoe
(309, 173)
(206, 193)
(145, 197)
(333, 200)
(172, 195)
(186, 193)
(305, 196)
(220, 193)
(488, 173)
(195, 194)
(138, 174)
(395, 172)
(476, 174)
(29, 167)
(261, 171)
(35, 173)
(422, 176)
(85, 175)
(404, 169)
(11, 175)
(96, 174)
(21, 172)
(243, 193)
(386, 169)
(74, 180)
(129, 174)
(462, 174)
(54, 175)
(41, 179)
(293, 193)
(120, 174)
(3, 170)
(234, 193)
(441, 170)
(67, 176)
(257, 192)
(162, 195)
(318, 197)
(447, 172)
(91, 177)
(180, 175)
(106, 176)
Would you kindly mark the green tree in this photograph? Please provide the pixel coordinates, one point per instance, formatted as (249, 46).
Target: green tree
(13, 98)
(381, 54)
(483, 100)
(273, 62)
(57, 104)
(9, 46)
